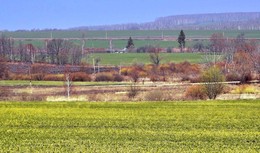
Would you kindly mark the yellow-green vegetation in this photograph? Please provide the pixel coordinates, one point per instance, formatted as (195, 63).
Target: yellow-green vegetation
(245, 89)
(205, 126)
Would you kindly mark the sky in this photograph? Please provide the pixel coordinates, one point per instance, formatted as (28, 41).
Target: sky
(62, 14)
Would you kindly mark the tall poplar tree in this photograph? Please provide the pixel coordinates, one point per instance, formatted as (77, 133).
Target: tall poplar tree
(181, 40)
(130, 43)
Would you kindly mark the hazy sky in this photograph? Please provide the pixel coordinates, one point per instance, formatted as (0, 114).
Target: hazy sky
(40, 14)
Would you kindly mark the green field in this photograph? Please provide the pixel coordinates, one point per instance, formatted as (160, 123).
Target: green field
(128, 33)
(212, 126)
(120, 44)
(131, 58)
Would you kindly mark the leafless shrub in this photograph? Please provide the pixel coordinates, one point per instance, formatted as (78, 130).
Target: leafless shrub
(155, 96)
(118, 77)
(195, 93)
(80, 76)
(4, 93)
(104, 77)
(133, 91)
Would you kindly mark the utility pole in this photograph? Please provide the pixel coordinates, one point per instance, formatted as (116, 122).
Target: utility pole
(110, 45)
(120, 67)
(83, 43)
(94, 66)
(162, 35)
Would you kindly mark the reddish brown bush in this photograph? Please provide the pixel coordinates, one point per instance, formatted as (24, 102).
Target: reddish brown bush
(243, 66)
(187, 68)
(191, 78)
(155, 96)
(185, 78)
(37, 76)
(196, 92)
(19, 77)
(53, 77)
(172, 67)
(134, 75)
(156, 78)
(4, 93)
(104, 77)
(195, 79)
(246, 77)
(232, 77)
(118, 78)
(133, 91)
(3, 68)
(80, 76)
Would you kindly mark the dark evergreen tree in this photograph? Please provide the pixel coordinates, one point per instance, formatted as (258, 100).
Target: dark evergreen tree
(181, 40)
(130, 43)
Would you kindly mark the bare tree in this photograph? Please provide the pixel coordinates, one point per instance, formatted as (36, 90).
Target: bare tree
(54, 49)
(76, 55)
(31, 50)
(42, 55)
(218, 42)
(155, 58)
(97, 61)
(67, 81)
(199, 46)
(63, 52)
(243, 66)
(6, 47)
(21, 52)
(3, 68)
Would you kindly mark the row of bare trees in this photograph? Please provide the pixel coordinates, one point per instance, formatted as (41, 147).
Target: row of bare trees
(56, 51)
(6, 47)
(63, 52)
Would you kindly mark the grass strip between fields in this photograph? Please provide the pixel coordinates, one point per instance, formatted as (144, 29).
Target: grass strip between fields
(55, 83)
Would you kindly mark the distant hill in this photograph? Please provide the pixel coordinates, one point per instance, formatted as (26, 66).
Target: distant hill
(214, 21)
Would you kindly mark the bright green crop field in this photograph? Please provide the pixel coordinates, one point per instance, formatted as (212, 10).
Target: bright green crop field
(144, 58)
(203, 126)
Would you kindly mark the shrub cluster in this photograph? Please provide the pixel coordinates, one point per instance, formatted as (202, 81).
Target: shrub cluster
(243, 78)
(154, 96)
(196, 92)
(106, 77)
(118, 78)
(133, 91)
(80, 76)
(188, 71)
(53, 77)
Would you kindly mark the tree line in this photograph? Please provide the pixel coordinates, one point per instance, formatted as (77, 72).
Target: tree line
(56, 51)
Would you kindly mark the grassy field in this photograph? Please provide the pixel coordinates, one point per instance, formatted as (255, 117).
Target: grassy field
(120, 44)
(117, 44)
(128, 33)
(205, 126)
(131, 58)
